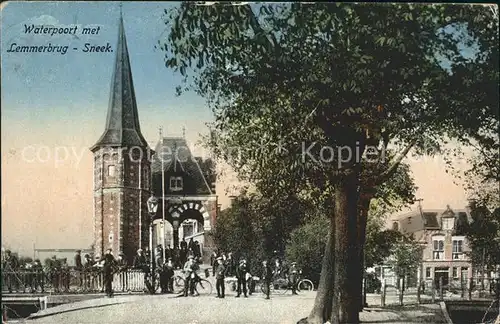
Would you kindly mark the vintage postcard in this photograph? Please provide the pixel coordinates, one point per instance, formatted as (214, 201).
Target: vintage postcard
(241, 162)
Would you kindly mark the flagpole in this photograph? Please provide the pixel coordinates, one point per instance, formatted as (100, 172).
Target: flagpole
(162, 194)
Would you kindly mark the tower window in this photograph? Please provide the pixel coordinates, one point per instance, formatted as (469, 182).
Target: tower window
(111, 170)
(176, 183)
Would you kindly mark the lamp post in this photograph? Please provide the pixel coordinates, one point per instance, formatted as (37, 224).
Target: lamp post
(152, 208)
(175, 225)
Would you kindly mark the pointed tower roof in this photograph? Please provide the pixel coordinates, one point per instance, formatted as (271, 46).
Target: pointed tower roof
(122, 122)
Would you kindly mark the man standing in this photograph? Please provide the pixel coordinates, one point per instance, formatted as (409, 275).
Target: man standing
(55, 273)
(191, 245)
(267, 277)
(87, 269)
(214, 262)
(79, 267)
(169, 275)
(140, 261)
(220, 276)
(293, 274)
(184, 244)
(122, 268)
(11, 265)
(190, 268)
(108, 269)
(230, 265)
(39, 275)
(241, 272)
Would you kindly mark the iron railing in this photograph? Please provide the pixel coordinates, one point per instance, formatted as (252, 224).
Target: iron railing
(70, 281)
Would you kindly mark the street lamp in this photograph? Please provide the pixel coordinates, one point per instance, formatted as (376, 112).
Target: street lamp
(152, 208)
(175, 225)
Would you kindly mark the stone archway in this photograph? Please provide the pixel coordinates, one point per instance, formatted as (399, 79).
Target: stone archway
(178, 211)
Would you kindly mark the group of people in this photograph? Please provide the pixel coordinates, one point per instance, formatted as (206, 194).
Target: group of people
(165, 269)
(33, 275)
(227, 267)
(223, 266)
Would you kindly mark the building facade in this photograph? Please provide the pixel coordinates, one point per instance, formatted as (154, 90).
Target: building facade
(127, 172)
(441, 232)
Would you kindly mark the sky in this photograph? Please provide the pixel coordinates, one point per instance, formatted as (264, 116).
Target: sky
(54, 109)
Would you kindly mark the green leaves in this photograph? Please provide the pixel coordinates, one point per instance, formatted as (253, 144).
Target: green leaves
(300, 74)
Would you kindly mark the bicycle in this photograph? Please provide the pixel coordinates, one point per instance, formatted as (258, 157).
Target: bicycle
(282, 286)
(177, 285)
(201, 286)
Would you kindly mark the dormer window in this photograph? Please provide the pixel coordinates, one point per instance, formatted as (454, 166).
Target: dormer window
(176, 183)
(448, 223)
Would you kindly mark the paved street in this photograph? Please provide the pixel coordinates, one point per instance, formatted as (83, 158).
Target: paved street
(255, 309)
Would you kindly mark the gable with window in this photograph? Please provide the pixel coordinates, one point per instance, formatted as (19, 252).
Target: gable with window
(176, 184)
(458, 246)
(438, 247)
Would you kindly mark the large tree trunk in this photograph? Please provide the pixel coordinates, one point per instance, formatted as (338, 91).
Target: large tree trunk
(364, 206)
(323, 303)
(346, 252)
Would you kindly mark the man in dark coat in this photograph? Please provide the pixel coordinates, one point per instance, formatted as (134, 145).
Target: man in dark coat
(293, 276)
(197, 249)
(79, 266)
(88, 273)
(55, 273)
(230, 266)
(214, 262)
(191, 245)
(39, 275)
(184, 244)
(108, 269)
(169, 275)
(220, 276)
(267, 277)
(140, 261)
(241, 272)
(11, 266)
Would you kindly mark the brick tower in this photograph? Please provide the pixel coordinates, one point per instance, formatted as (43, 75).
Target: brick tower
(122, 158)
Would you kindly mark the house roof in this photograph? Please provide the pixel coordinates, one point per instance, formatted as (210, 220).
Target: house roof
(430, 219)
(122, 122)
(177, 157)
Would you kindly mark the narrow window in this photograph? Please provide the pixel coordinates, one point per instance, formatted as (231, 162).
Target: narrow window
(111, 170)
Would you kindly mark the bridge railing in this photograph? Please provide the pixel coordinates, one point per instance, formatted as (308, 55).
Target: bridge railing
(70, 281)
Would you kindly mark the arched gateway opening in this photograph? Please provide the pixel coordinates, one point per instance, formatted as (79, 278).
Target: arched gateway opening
(187, 221)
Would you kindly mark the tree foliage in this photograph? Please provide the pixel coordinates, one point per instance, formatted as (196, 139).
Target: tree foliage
(304, 95)
(484, 237)
(255, 226)
(307, 245)
(406, 256)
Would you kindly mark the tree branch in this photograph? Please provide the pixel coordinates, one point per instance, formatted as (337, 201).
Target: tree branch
(389, 172)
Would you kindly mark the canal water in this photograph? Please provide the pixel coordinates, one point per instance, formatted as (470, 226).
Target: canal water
(472, 312)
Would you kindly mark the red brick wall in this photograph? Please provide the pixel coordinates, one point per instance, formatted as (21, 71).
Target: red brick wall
(116, 201)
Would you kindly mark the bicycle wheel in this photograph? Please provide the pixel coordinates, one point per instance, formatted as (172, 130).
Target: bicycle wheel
(305, 285)
(203, 287)
(179, 284)
(263, 288)
(281, 286)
